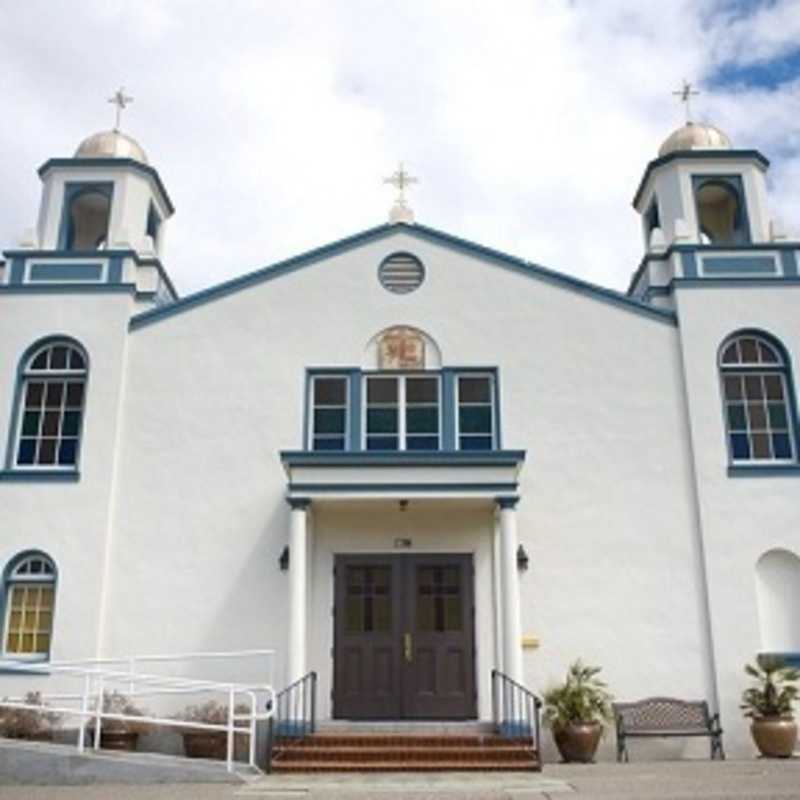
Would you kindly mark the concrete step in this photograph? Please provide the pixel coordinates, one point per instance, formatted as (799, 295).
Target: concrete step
(403, 752)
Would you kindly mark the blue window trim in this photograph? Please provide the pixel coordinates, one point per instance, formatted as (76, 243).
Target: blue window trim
(739, 469)
(4, 587)
(43, 474)
(73, 190)
(734, 184)
(356, 408)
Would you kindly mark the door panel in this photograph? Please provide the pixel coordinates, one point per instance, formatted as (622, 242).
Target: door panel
(367, 633)
(440, 682)
(404, 637)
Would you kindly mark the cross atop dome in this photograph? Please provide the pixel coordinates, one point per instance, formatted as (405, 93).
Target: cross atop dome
(401, 180)
(686, 93)
(121, 101)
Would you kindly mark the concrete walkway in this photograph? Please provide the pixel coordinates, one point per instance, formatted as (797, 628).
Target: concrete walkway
(761, 780)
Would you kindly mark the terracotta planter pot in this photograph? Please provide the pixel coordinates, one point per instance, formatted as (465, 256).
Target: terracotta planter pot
(578, 741)
(199, 744)
(119, 740)
(775, 737)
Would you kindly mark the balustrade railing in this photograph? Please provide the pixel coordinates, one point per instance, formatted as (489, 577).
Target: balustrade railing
(515, 709)
(293, 714)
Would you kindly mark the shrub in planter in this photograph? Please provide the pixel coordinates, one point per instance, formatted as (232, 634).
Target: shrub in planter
(25, 723)
(769, 705)
(120, 734)
(576, 710)
(198, 743)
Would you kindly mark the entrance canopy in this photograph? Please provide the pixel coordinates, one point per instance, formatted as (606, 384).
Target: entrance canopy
(402, 475)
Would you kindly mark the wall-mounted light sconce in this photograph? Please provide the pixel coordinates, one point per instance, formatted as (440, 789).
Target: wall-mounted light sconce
(283, 561)
(402, 505)
(522, 559)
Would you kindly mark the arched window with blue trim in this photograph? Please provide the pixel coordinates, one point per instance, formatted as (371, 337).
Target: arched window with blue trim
(51, 400)
(29, 595)
(757, 392)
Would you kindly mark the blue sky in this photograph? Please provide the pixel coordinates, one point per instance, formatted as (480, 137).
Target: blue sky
(528, 122)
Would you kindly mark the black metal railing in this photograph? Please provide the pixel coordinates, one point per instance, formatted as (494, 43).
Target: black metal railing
(295, 714)
(515, 709)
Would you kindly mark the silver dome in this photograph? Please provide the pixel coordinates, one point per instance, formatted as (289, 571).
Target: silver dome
(111, 144)
(695, 136)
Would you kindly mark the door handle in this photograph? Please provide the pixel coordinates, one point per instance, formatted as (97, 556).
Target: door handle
(408, 648)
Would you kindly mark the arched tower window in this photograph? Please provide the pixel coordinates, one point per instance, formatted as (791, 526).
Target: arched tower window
(720, 212)
(778, 591)
(52, 390)
(87, 215)
(759, 413)
(29, 602)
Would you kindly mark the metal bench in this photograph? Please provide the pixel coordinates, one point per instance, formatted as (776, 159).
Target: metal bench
(664, 717)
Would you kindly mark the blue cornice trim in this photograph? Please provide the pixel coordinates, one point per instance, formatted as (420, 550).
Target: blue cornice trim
(112, 163)
(745, 280)
(507, 502)
(379, 488)
(696, 155)
(764, 471)
(786, 249)
(40, 476)
(458, 458)
(422, 232)
(112, 255)
(69, 288)
(298, 503)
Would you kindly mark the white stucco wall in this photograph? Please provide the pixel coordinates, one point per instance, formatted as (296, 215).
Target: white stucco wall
(742, 517)
(183, 502)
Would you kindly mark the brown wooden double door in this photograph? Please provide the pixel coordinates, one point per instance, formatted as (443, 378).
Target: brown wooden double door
(404, 637)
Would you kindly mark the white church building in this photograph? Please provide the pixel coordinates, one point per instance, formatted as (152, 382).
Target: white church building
(404, 459)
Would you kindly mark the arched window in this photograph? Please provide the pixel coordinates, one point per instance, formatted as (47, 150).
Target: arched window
(778, 592)
(53, 386)
(29, 601)
(759, 414)
(87, 215)
(720, 212)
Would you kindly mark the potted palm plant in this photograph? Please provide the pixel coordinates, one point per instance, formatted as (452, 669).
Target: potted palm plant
(769, 705)
(576, 711)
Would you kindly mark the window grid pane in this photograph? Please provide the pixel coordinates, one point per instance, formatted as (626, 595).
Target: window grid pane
(329, 413)
(53, 392)
(30, 619)
(756, 411)
(475, 413)
(383, 413)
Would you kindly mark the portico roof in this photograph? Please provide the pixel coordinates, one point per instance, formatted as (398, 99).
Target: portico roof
(402, 475)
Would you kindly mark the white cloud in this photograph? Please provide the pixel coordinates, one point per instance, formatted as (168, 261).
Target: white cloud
(273, 123)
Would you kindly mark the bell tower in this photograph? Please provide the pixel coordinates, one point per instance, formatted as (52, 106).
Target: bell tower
(102, 220)
(703, 209)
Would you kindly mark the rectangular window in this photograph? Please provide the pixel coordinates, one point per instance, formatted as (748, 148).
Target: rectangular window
(476, 414)
(403, 412)
(329, 412)
(29, 619)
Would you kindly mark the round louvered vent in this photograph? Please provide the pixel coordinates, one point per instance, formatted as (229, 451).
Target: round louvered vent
(401, 273)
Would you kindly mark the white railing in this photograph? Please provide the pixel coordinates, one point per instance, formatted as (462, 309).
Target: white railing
(97, 679)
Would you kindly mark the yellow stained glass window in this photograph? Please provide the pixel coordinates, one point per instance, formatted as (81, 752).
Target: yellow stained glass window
(30, 619)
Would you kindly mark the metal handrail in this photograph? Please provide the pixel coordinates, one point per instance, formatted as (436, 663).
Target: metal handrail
(97, 680)
(294, 713)
(515, 709)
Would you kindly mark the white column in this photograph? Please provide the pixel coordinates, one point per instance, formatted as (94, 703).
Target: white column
(512, 629)
(298, 587)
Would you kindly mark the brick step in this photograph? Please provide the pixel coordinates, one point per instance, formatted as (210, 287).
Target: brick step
(403, 740)
(379, 754)
(528, 764)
